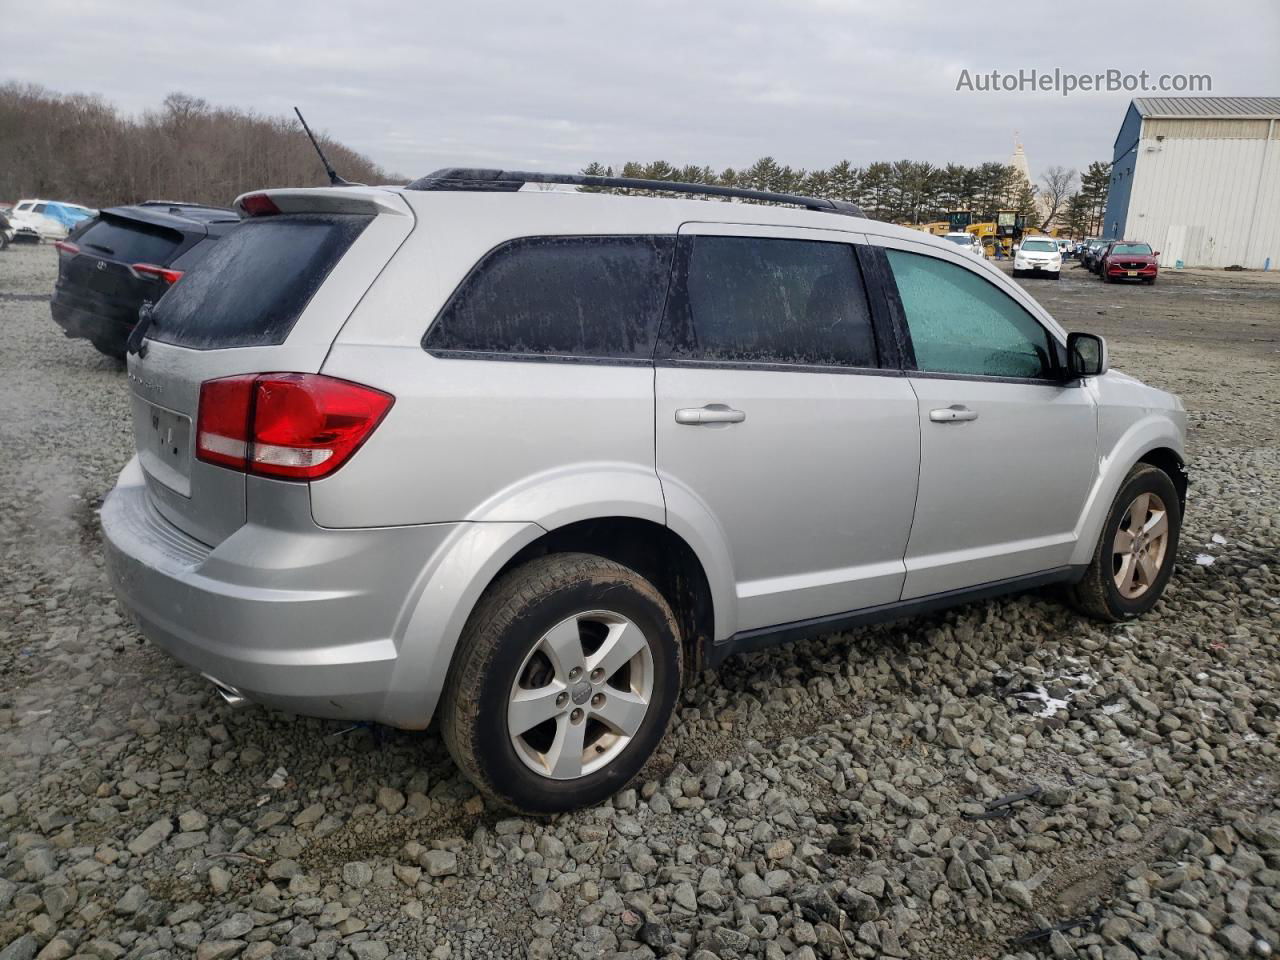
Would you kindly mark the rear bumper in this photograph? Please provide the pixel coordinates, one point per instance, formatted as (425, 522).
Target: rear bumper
(308, 621)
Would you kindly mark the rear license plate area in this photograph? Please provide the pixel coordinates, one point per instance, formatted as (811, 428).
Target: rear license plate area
(163, 441)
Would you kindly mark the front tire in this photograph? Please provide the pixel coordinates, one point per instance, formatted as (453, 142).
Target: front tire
(563, 683)
(1134, 557)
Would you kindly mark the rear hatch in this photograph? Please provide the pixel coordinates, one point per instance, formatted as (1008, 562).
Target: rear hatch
(270, 296)
(96, 269)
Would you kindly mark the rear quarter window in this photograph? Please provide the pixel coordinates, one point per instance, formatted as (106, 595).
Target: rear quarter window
(572, 296)
(254, 283)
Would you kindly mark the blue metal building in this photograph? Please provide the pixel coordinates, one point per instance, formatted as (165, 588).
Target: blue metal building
(1199, 179)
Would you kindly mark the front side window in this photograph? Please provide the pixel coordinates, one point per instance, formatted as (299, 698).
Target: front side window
(764, 300)
(578, 296)
(961, 323)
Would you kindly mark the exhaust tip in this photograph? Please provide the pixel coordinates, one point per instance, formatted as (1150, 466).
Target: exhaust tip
(233, 697)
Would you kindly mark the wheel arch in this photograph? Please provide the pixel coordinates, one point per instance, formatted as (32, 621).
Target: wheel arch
(1151, 440)
(654, 551)
(1172, 463)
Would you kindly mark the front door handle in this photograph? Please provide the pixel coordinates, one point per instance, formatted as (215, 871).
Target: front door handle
(955, 413)
(711, 413)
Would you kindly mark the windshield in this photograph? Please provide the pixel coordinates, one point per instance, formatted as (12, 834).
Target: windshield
(1040, 246)
(962, 238)
(1132, 249)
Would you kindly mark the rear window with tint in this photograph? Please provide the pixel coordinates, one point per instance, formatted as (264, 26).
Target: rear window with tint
(255, 282)
(760, 300)
(594, 296)
(130, 241)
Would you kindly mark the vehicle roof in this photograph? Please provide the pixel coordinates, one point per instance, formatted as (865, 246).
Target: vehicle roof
(629, 213)
(65, 203)
(570, 211)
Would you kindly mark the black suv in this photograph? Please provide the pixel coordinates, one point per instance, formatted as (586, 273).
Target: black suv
(110, 265)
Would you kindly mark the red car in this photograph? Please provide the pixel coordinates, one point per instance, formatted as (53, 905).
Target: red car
(1126, 260)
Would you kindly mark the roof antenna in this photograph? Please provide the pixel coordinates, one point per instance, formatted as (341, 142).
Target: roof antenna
(334, 179)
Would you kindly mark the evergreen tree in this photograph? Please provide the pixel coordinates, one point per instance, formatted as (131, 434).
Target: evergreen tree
(1094, 184)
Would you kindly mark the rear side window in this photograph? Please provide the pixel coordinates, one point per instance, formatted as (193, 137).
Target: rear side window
(594, 296)
(761, 300)
(255, 282)
(130, 241)
(961, 323)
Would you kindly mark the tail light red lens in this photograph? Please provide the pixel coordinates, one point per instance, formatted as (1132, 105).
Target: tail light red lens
(160, 273)
(222, 423)
(258, 205)
(66, 246)
(296, 426)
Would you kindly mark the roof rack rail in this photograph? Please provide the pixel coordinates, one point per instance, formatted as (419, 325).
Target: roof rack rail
(483, 179)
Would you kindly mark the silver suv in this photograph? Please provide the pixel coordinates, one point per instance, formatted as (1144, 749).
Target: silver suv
(528, 459)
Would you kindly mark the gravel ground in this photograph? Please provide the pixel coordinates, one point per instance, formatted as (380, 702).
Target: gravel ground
(838, 799)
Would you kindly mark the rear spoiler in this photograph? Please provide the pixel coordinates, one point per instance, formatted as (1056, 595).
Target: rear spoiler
(371, 201)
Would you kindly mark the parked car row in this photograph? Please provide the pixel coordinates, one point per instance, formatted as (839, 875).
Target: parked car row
(597, 446)
(1115, 260)
(35, 220)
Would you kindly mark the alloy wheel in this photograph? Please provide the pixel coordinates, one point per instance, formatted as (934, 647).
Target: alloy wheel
(1141, 541)
(580, 695)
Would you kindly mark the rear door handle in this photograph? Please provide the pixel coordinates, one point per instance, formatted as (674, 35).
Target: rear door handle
(953, 414)
(711, 413)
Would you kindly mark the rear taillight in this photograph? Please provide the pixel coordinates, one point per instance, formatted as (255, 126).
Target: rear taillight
(66, 246)
(258, 205)
(222, 425)
(297, 426)
(150, 270)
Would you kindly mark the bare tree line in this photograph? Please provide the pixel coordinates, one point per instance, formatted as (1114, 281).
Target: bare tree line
(79, 148)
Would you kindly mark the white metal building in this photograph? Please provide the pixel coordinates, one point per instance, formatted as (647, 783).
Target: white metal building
(1198, 178)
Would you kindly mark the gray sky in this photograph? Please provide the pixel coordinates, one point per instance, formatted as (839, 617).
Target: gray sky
(556, 85)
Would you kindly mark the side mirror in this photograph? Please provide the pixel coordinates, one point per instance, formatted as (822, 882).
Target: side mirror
(1157, 253)
(1086, 355)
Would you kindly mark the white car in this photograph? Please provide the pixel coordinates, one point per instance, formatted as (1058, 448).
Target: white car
(967, 241)
(34, 219)
(1038, 255)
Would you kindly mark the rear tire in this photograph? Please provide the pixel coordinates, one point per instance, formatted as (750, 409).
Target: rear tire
(542, 648)
(1122, 583)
